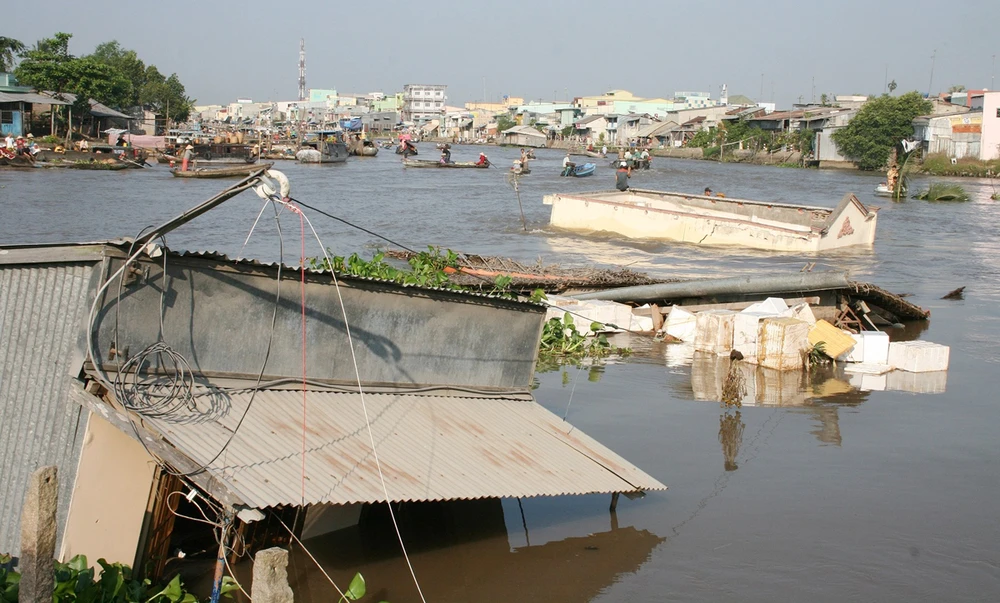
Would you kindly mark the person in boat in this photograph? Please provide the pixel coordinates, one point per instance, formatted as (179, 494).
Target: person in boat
(20, 146)
(604, 150)
(621, 176)
(84, 145)
(568, 166)
(446, 154)
(33, 148)
(9, 142)
(483, 159)
(187, 157)
(708, 192)
(121, 140)
(644, 158)
(524, 160)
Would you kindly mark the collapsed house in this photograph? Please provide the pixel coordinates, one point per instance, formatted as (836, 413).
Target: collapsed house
(284, 396)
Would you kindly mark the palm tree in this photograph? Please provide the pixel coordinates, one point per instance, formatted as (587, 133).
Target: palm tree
(9, 49)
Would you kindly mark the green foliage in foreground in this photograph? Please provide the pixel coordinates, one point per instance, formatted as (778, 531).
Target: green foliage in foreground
(75, 582)
(880, 124)
(943, 191)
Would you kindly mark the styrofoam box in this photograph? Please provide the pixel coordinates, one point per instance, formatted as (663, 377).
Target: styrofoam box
(782, 343)
(595, 310)
(746, 329)
(918, 356)
(872, 347)
(714, 331)
(771, 305)
(680, 324)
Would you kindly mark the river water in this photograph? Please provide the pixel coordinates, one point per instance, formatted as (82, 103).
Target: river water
(832, 493)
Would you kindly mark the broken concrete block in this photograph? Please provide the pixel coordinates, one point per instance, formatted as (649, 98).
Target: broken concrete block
(918, 356)
(835, 342)
(714, 331)
(680, 324)
(270, 577)
(783, 343)
(932, 382)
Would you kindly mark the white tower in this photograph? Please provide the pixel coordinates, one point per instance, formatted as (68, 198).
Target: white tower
(724, 97)
(302, 69)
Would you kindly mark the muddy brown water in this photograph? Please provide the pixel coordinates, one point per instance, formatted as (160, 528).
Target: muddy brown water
(832, 493)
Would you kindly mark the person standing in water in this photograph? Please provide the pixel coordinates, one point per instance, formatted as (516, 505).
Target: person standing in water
(622, 176)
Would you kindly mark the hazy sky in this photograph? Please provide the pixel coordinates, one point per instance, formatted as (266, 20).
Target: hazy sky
(764, 50)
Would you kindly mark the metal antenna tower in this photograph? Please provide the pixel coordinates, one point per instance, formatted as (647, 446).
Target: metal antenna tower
(302, 69)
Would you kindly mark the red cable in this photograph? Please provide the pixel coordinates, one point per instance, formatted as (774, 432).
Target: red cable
(302, 225)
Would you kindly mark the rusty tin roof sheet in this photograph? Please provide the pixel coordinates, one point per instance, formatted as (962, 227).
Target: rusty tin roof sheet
(431, 447)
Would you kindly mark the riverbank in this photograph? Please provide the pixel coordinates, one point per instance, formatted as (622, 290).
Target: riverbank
(938, 164)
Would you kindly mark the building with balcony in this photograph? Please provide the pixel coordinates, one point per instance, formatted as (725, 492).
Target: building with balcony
(423, 102)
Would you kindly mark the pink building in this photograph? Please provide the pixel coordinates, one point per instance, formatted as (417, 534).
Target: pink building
(989, 148)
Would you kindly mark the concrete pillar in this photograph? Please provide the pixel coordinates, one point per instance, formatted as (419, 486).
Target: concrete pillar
(38, 537)
(270, 577)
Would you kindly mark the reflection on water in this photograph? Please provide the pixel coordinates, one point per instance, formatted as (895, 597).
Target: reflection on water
(731, 428)
(460, 552)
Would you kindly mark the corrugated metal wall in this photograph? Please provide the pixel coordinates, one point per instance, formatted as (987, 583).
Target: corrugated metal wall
(42, 311)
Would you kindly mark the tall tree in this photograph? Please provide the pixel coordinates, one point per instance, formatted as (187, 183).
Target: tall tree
(879, 126)
(9, 50)
(127, 62)
(50, 66)
(165, 95)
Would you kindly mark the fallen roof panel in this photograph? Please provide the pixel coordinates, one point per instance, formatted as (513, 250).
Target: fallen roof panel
(431, 447)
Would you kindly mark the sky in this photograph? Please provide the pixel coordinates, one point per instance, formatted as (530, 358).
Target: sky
(783, 51)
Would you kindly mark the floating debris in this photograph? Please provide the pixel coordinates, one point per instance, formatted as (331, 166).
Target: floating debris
(956, 294)
(940, 191)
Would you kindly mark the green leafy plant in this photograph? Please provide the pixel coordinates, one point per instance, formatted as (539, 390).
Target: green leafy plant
(560, 337)
(817, 354)
(77, 582)
(943, 191)
(879, 125)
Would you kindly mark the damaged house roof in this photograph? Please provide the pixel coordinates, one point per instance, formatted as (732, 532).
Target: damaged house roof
(446, 377)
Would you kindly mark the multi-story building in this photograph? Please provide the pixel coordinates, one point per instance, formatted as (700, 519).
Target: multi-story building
(423, 102)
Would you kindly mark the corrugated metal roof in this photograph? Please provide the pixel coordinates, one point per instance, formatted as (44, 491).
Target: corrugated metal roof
(42, 312)
(431, 447)
(29, 97)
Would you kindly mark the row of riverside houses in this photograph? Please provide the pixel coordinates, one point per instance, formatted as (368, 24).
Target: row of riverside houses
(956, 127)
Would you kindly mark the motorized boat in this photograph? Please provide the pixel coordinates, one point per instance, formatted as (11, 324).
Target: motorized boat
(427, 163)
(580, 171)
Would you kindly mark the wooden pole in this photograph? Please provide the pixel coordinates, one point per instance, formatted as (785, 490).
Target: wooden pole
(38, 537)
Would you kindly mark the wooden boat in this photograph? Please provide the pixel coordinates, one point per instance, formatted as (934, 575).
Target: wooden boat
(427, 163)
(362, 148)
(592, 154)
(324, 150)
(580, 171)
(214, 154)
(236, 171)
(135, 158)
(646, 214)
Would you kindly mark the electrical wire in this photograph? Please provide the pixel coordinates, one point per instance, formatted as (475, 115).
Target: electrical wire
(364, 405)
(480, 277)
(343, 597)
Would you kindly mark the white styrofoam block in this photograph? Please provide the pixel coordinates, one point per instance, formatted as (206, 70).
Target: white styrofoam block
(857, 353)
(592, 310)
(714, 331)
(782, 343)
(918, 356)
(931, 382)
(680, 324)
(802, 312)
(641, 323)
(873, 383)
(746, 327)
(772, 305)
(876, 347)
(868, 369)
